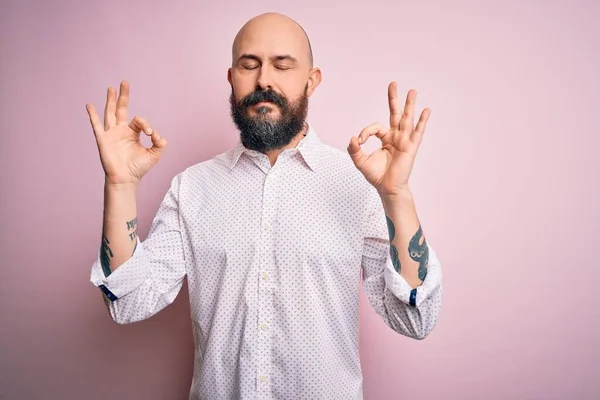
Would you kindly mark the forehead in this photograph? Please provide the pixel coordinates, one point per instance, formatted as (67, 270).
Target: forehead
(271, 40)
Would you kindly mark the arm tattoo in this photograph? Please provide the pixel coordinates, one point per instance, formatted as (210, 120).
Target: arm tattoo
(419, 251)
(132, 224)
(133, 235)
(395, 258)
(105, 255)
(393, 248)
(391, 228)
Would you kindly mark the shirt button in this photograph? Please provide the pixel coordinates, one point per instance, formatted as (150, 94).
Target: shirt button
(265, 276)
(267, 225)
(263, 378)
(264, 326)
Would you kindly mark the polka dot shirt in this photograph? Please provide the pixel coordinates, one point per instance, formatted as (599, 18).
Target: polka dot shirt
(273, 256)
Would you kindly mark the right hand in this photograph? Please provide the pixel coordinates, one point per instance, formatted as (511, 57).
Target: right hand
(124, 158)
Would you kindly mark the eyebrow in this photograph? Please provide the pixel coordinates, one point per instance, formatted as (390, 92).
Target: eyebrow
(283, 57)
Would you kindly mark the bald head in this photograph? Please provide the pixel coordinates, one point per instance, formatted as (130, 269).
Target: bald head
(276, 34)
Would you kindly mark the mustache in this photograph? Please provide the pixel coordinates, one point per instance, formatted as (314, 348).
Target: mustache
(263, 95)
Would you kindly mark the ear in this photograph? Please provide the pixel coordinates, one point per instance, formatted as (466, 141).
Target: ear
(229, 76)
(314, 79)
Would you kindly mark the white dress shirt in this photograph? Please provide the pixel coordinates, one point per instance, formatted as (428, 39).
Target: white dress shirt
(273, 258)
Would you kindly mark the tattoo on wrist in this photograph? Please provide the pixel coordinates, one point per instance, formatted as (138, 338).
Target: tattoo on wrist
(419, 251)
(105, 255)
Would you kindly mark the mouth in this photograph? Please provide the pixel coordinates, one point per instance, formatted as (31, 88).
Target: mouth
(264, 103)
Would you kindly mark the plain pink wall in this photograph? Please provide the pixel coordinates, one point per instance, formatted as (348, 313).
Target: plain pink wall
(506, 183)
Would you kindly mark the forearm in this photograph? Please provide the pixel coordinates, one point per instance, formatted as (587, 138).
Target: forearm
(408, 247)
(119, 231)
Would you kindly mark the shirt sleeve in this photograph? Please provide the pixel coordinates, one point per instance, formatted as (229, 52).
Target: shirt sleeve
(153, 276)
(410, 312)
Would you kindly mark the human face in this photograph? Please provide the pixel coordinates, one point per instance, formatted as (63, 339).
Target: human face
(271, 79)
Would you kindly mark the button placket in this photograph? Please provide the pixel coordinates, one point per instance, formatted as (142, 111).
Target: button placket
(265, 252)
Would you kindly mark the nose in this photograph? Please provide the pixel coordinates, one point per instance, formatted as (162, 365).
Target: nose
(263, 82)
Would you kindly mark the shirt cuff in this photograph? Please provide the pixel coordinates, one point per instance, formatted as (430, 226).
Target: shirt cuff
(398, 286)
(126, 278)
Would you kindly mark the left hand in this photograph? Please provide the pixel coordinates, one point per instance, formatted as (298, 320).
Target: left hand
(389, 167)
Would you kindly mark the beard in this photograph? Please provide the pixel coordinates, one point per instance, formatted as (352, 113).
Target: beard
(263, 131)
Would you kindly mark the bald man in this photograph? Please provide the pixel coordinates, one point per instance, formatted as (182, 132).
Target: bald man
(273, 236)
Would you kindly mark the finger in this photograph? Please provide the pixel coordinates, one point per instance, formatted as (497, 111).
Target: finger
(421, 125)
(394, 104)
(110, 108)
(406, 123)
(374, 129)
(355, 151)
(122, 103)
(94, 119)
(158, 142)
(139, 124)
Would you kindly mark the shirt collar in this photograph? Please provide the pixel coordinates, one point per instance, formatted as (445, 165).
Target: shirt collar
(310, 148)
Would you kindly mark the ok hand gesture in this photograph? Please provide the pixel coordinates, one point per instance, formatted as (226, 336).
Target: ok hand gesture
(124, 158)
(389, 167)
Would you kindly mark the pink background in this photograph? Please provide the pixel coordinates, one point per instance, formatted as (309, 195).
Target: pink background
(506, 183)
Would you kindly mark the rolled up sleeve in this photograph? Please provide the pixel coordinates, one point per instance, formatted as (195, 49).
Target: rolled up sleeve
(412, 312)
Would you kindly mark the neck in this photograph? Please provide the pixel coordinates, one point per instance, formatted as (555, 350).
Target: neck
(273, 154)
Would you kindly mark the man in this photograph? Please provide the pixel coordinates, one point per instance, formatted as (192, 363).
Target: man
(273, 235)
